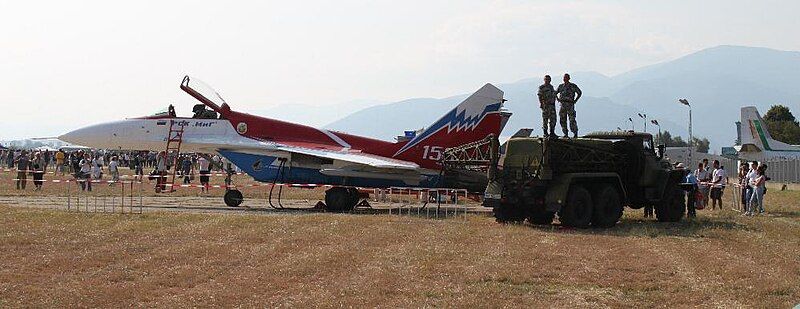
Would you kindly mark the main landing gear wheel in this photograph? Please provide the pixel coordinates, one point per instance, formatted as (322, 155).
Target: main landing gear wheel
(233, 198)
(339, 199)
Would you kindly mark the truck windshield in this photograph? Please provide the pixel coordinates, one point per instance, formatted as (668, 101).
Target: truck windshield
(647, 144)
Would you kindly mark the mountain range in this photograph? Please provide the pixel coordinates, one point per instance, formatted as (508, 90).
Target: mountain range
(717, 82)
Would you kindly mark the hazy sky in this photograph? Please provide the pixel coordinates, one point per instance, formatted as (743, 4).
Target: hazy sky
(66, 64)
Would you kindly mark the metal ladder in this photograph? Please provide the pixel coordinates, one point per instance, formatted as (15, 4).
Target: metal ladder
(174, 141)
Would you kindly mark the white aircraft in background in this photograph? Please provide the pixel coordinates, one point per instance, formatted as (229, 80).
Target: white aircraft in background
(756, 142)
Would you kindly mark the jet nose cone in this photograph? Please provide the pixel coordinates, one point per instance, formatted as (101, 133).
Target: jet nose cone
(96, 136)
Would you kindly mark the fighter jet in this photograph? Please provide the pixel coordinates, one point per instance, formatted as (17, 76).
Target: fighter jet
(755, 141)
(275, 151)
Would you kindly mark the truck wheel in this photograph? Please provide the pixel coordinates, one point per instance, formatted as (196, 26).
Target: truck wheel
(578, 210)
(672, 208)
(508, 213)
(542, 217)
(607, 207)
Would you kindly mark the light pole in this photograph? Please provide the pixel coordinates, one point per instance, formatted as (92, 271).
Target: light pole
(633, 128)
(644, 116)
(691, 139)
(655, 122)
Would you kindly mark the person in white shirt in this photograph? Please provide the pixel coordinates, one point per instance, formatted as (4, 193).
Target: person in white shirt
(84, 175)
(97, 168)
(204, 173)
(759, 187)
(703, 179)
(749, 178)
(113, 168)
(718, 180)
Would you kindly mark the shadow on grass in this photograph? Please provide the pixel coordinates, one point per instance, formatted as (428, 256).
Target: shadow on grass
(788, 214)
(638, 227)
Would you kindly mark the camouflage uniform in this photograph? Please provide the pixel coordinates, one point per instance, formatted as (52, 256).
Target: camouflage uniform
(566, 95)
(547, 101)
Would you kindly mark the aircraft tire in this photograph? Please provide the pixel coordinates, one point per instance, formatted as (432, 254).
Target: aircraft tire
(339, 199)
(233, 198)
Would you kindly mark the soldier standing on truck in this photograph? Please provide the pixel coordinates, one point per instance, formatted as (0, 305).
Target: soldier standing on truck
(566, 94)
(547, 102)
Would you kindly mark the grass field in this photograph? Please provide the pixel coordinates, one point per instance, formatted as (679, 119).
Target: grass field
(57, 259)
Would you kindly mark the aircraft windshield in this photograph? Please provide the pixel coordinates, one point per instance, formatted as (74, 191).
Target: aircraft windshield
(161, 112)
(202, 92)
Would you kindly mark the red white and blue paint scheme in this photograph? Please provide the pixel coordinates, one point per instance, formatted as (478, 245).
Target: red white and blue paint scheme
(270, 150)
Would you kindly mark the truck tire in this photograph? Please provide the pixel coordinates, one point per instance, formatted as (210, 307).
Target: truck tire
(541, 216)
(672, 207)
(578, 210)
(607, 207)
(508, 213)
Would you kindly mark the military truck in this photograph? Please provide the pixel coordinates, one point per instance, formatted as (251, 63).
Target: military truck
(586, 181)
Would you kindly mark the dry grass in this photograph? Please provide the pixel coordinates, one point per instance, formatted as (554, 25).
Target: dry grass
(59, 259)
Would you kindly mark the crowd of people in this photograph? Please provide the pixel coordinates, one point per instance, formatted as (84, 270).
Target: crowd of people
(708, 183)
(753, 180)
(87, 165)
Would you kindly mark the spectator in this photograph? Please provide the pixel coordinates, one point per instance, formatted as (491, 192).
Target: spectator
(743, 184)
(23, 165)
(75, 161)
(205, 172)
(703, 179)
(758, 184)
(113, 168)
(38, 167)
(10, 159)
(60, 156)
(719, 178)
(186, 169)
(46, 160)
(161, 171)
(691, 195)
(763, 168)
(84, 171)
(97, 167)
(138, 169)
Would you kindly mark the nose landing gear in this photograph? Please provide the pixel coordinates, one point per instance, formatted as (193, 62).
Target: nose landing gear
(233, 198)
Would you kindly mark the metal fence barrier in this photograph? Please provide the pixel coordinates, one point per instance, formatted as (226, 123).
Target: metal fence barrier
(127, 198)
(424, 202)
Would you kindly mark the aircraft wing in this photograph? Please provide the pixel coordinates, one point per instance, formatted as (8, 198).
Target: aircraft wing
(250, 146)
(353, 157)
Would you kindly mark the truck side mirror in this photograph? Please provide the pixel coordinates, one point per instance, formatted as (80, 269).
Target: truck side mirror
(661, 149)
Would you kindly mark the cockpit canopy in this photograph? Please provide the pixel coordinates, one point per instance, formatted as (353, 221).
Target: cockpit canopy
(203, 93)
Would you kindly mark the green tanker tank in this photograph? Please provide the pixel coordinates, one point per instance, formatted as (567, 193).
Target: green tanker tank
(585, 181)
